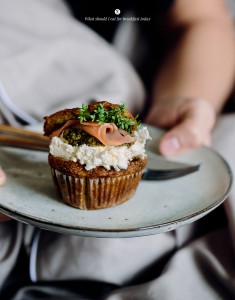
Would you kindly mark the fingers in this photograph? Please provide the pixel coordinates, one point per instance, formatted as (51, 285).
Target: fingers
(196, 120)
(182, 138)
(2, 181)
(2, 177)
(162, 115)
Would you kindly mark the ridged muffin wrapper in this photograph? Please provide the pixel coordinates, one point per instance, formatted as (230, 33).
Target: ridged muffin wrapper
(95, 193)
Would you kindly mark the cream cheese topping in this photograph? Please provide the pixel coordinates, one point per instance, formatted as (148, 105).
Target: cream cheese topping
(117, 157)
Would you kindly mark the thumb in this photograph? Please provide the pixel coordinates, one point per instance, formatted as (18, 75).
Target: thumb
(182, 138)
(192, 131)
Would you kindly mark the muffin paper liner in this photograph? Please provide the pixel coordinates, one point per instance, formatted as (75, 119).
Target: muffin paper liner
(94, 193)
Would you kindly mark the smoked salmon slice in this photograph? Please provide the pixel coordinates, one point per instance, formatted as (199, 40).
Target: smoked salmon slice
(68, 124)
(108, 133)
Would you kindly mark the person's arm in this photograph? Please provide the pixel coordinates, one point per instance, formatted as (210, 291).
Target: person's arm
(197, 76)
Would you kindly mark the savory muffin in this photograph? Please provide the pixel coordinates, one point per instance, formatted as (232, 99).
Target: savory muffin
(97, 154)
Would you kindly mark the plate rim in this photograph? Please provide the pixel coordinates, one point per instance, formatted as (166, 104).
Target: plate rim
(19, 216)
(104, 232)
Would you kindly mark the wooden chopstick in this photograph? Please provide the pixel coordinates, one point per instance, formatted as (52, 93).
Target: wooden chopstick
(24, 143)
(10, 130)
(23, 138)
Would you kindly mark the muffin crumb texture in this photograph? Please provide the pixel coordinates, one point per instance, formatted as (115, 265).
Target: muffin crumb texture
(97, 154)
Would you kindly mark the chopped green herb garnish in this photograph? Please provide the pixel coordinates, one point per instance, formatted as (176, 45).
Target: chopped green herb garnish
(84, 114)
(114, 115)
